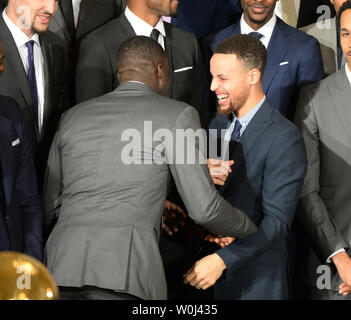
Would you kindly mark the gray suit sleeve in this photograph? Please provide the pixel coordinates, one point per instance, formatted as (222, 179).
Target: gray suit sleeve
(311, 211)
(194, 183)
(52, 195)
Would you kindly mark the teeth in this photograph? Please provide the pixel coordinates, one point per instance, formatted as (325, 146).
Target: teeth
(222, 96)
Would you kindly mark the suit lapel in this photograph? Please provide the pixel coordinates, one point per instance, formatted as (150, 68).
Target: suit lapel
(14, 62)
(58, 25)
(252, 134)
(6, 159)
(277, 48)
(85, 7)
(341, 95)
(47, 56)
(168, 48)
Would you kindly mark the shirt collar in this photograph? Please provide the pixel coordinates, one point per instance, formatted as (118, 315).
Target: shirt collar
(245, 120)
(141, 27)
(348, 73)
(266, 30)
(18, 35)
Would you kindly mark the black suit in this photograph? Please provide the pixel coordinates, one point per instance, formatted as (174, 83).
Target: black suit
(14, 83)
(20, 208)
(97, 63)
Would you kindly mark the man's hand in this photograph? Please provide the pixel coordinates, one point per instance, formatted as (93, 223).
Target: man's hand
(173, 218)
(219, 170)
(205, 272)
(342, 262)
(221, 241)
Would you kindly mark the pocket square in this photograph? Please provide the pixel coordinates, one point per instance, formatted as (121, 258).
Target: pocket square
(16, 142)
(183, 69)
(283, 63)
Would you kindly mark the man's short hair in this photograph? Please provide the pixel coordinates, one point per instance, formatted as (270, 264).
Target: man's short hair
(139, 48)
(247, 49)
(345, 6)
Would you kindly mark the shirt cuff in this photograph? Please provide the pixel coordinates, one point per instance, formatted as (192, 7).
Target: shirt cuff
(333, 254)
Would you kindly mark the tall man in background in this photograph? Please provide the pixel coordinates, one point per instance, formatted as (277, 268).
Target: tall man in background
(324, 116)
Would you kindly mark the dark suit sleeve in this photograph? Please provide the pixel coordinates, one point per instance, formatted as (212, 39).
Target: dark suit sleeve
(311, 68)
(94, 74)
(194, 183)
(284, 172)
(312, 213)
(30, 203)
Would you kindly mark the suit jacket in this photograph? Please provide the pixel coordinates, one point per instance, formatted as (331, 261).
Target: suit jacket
(92, 14)
(20, 213)
(97, 63)
(109, 212)
(323, 116)
(288, 67)
(327, 39)
(203, 17)
(14, 83)
(265, 182)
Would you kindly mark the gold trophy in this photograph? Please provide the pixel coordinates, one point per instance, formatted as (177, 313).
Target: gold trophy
(25, 278)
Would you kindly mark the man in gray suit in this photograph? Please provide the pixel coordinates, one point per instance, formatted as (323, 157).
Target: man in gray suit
(326, 32)
(109, 197)
(324, 117)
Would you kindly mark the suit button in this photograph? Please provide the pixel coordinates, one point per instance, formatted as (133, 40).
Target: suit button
(7, 218)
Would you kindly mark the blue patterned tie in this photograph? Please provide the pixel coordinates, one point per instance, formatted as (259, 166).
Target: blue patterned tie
(31, 75)
(257, 35)
(236, 132)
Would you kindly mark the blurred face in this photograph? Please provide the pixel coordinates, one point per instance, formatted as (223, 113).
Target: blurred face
(337, 4)
(2, 59)
(345, 35)
(258, 12)
(229, 82)
(33, 15)
(166, 8)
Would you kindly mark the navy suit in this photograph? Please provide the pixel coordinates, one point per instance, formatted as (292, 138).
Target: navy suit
(203, 17)
(265, 182)
(20, 211)
(294, 60)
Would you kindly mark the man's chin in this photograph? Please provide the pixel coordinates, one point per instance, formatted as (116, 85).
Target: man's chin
(224, 110)
(40, 30)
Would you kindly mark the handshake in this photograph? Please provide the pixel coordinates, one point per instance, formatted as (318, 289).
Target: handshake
(206, 271)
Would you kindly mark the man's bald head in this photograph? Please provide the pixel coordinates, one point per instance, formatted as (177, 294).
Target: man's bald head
(143, 59)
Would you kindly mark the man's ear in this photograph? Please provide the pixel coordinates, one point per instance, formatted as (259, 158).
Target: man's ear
(254, 76)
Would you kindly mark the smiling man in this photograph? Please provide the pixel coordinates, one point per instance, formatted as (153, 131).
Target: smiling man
(294, 58)
(34, 74)
(265, 181)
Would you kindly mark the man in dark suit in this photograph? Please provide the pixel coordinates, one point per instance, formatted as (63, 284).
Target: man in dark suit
(20, 209)
(265, 180)
(97, 61)
(203, 17)
(294, 58)
(35, 70)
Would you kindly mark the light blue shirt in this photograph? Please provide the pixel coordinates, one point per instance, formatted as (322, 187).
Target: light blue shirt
(244, 121)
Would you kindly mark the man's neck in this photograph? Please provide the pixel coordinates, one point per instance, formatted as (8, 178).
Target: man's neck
(251, 103)
(152, 18)
(253, 25)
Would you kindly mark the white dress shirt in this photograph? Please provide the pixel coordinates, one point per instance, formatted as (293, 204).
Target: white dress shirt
(348, 75)
(278, 8)
(21, 39)
(265, 30)
(76, 9)
(142, 28)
